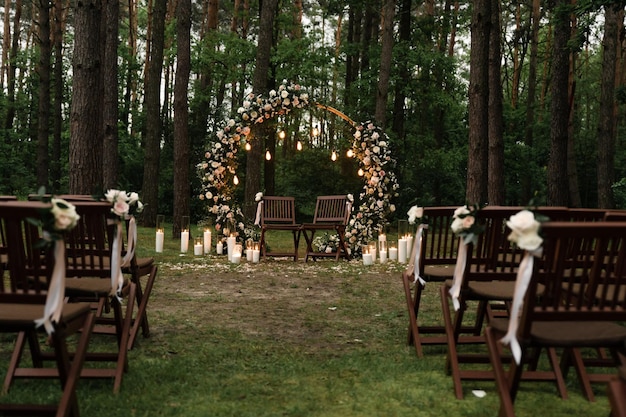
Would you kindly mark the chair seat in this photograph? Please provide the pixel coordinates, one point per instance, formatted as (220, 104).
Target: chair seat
(22, 316)
(438, 273)
(86, 286)
(572, 334)
(493, 290)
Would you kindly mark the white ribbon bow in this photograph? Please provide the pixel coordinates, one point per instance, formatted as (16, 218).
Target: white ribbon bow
(56, 290)
(257, 220)
(117, 278)
(524, 273)
(416, 254)
(459, 271)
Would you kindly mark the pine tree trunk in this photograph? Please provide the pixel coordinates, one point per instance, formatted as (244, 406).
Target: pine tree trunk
(43, 70)
(110, 110)
(495, 172)
(55, 164)
(384, 73)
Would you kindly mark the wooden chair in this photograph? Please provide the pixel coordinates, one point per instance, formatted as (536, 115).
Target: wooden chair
(88, 271)
(438, 248)
(617, 394)
(332, 213)
(554, 314)
(489, 282)
(279, 213)
(138, 268)
(23, 302)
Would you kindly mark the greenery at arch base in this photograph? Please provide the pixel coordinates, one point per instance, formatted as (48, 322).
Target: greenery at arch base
(370, 145)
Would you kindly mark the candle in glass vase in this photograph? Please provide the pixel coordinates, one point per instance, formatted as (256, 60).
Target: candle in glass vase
(409, 244)
(402, 251)
(393, 252)
(256, 252)
(207, 241)
(160, 238)
(382, 255)
(184, 241)
(198, 247)
(236, 254)
(230, 246)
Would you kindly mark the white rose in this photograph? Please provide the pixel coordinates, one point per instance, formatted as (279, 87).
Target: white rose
(415, 213)
(65, 216)
(524, 230)
(258, 196)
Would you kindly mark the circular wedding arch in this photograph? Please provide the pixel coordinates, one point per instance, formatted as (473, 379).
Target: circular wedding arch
(370, 145)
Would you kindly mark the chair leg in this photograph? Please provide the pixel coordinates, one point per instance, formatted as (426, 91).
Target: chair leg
(413, 334)
(502, 384)
(452, 359)
(141, 318)
(124, 324)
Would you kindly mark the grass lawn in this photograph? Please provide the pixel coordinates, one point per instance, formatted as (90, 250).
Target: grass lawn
(284, 338)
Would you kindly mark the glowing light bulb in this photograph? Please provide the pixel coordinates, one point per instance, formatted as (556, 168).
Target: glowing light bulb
(281, 134)
(248, 147)
(299, 146)
(235, 180)
(333, 156)
(361, 172)
(350, 153)
(315, 131)
(268, 155)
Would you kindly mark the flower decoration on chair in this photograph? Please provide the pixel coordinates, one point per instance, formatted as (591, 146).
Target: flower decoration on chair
(416, 215)
(525, 234)
(55, 222)
(124, 207)
(371, 146)
(464, 223)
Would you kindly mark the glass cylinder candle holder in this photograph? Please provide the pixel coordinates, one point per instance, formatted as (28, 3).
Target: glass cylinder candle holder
(160, 233)
(403, 229)
(184, 234)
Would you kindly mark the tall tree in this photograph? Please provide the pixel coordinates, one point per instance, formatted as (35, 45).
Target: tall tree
(152, 105)
(260, 82)
(476, 191)
(110, 112)
(85, 117)
(608, 114)
(559, 106)
(389, 10)
(495, 186)
(182, 190)
(43, 70)
(12, 66)
(55, 163)
(399, 98)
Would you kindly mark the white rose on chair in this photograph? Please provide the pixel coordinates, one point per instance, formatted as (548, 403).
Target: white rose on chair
(65, 216)
(525, 230)
(415, 213)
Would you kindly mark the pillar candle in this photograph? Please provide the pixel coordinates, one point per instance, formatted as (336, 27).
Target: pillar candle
(402, 251)
(184, 241)
(367, 259)
(197, 249)
(230, 242)
(207, 241)
(383, 256)
(160, 237)
(256, 255)
(219, 248)
(393, 253)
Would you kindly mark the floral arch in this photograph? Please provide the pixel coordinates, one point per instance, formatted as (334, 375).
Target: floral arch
(369, 144)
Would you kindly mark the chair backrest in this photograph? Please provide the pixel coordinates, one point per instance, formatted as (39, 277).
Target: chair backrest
(278, 210)
(332, 209)
(578, 284)
(29, 264)
(439, 244)
(89, 244)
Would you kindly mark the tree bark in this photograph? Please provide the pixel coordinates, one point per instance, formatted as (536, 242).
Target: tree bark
(85, 117)
(110, 112)
(478, 103)
(403, 70)
(606, 127)
(55, 164)
(182, 190)
(152, 106)
(495, 188)
(389, 10)
(260, 82)
(12, 70)
(43, 70)
(557, 164)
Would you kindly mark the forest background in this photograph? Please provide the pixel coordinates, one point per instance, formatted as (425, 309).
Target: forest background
(483, 101)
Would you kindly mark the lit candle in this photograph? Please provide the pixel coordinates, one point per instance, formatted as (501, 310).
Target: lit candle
(207, 241)
(184, 241)
(409, 243)
(393, 253)
(198, 247)
(373, 250)
(230, 242)
(402, 251)
(235, 257)
(367, 259)
(256, 253)
(219, 248)
(160, 238)
(382, 237)
(383, 251)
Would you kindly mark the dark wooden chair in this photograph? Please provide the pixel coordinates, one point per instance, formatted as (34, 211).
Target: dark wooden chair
(88, 271)
(554, 314)
(617, 394)
(23, 301)
(489, 283)
(279, 214)
(332, 213)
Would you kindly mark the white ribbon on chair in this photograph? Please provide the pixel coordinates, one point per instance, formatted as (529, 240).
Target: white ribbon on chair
(417, 253)
(459, 271)
(132, 242)
(259, 207)
(524, 273)
(56, 290)
(117, 278)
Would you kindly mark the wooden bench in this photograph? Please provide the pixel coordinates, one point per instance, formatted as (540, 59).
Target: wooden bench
(279, 213)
